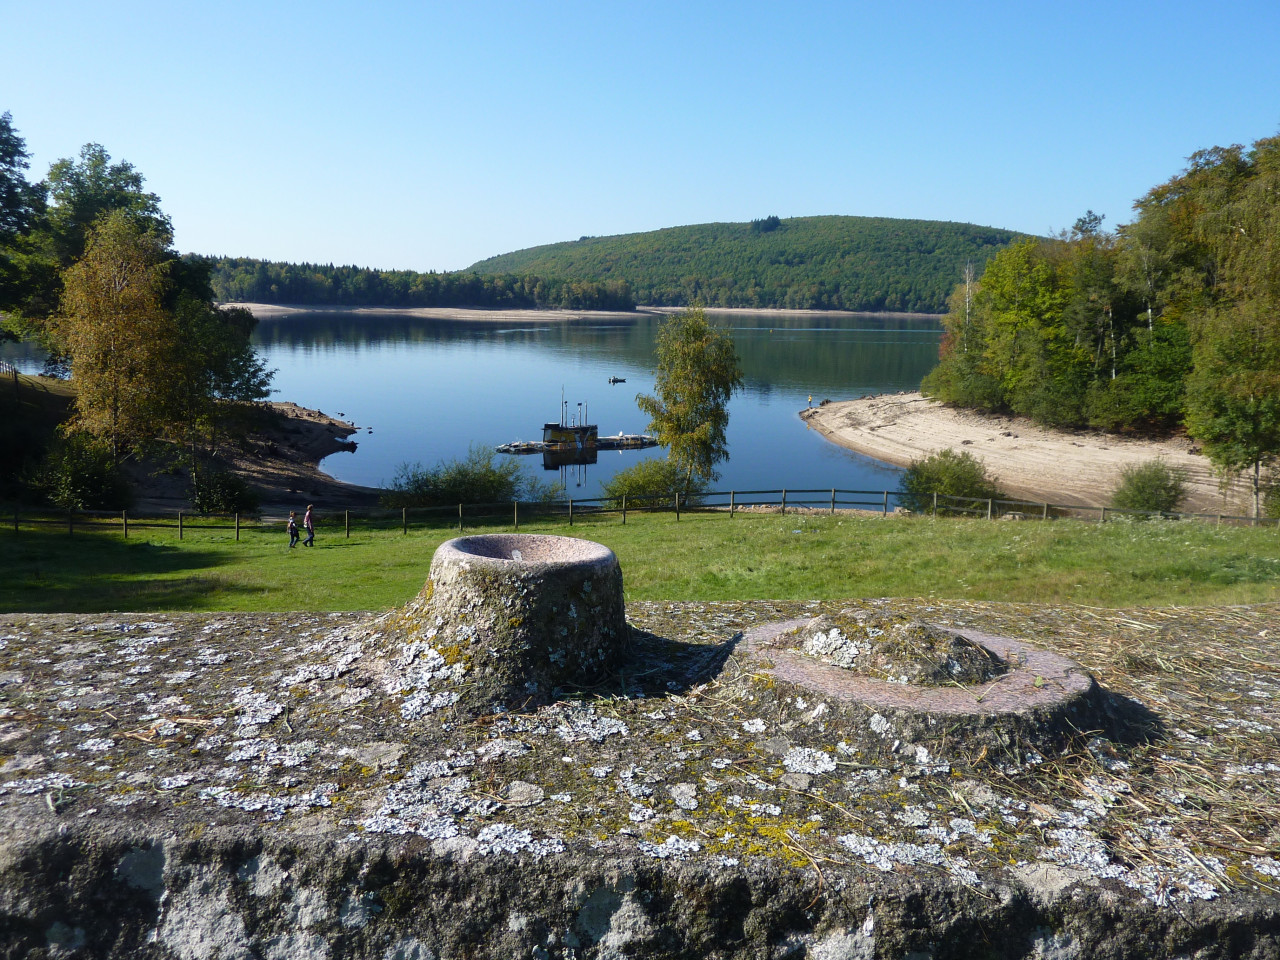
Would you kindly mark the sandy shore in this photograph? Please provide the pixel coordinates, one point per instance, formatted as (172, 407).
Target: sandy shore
(1028, 461)
(277, 311)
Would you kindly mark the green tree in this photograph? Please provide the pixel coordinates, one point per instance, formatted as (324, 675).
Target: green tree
(82, 191)
(17, 196)
(698, 371)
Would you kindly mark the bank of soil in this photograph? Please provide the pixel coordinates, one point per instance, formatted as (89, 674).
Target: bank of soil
(280, 458)
(1028, 461)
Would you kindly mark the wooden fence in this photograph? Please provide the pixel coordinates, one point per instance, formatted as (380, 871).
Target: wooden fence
(510, 515)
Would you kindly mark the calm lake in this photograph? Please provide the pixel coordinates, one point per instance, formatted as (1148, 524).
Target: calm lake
(424, 390)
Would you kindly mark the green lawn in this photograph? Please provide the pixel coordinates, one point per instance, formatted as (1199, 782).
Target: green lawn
(702, 557)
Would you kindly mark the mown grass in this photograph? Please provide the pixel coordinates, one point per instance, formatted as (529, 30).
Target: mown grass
(702, 557)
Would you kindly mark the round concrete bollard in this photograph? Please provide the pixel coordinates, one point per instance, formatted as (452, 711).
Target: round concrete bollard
(524, 615)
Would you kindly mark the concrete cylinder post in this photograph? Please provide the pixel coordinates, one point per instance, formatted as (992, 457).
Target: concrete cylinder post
(520, 616)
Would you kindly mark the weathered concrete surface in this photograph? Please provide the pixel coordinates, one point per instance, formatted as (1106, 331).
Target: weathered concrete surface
(263, 786)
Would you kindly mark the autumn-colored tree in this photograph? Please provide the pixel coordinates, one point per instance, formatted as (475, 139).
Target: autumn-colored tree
(117, 333)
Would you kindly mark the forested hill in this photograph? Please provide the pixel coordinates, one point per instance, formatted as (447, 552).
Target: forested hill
(244, 280)
(812, 263)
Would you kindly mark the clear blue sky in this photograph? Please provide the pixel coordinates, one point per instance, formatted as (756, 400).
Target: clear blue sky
(430, 135)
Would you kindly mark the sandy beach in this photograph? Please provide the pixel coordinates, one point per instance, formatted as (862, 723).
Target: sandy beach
(277, 311)
(1028, 461)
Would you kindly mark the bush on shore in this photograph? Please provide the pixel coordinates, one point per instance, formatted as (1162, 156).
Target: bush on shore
(220, 492)
(79, 473)
(473, 479)
(652, 483)
(1153, 486)
(948, 474)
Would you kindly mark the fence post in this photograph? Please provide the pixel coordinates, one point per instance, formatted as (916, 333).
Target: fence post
(624, 509)
(730, 504)
(1102, 514)
(833, 500)
(571, 511)
(677, 506)
(935, 503)
(884, 511)
(124, 517)
(784, 501)
(515, 510)
(1045, 515)
(988, 508)
(237, 528)
(346, 523)
(71, 523)
(179, 524)
(15, 519)
(459, 518)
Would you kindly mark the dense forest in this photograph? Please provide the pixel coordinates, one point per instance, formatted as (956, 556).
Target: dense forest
(1169, 322)
(809, 263)
(242, 280)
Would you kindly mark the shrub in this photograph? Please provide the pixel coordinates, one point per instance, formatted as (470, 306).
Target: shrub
(78, 473)
(948, 474)
(220, 492)
(653, 483)
(1271, 499)
(1153, 485)
(475, 479)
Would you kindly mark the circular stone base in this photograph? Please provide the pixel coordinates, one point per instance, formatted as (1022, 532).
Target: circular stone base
(516, 617)
(1042, 701)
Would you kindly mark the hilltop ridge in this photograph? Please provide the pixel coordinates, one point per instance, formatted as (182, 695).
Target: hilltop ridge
(824, 263)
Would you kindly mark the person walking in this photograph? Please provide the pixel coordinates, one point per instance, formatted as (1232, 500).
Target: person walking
(310, 524)
(292, 527)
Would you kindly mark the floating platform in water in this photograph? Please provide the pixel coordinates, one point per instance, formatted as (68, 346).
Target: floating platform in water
(621, 441)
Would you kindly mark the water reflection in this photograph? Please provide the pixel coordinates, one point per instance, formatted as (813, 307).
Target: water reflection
(433, 388)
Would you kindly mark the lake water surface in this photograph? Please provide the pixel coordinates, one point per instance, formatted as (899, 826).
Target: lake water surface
(430, 389)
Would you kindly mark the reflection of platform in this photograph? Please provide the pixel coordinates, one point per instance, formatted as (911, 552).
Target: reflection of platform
(567, 457)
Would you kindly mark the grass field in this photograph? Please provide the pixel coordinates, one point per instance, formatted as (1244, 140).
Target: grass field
(704, 556)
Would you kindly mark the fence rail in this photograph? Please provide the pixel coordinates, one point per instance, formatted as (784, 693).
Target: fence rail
(513, 513)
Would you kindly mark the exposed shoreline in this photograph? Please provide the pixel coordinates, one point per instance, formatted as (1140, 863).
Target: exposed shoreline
(1028, 461)
(277, 311)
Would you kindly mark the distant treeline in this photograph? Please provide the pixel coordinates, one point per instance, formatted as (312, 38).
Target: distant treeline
(804, 263)
(244, 280)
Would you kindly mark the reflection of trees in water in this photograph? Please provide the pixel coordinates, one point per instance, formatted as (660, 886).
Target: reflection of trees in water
(823, 355)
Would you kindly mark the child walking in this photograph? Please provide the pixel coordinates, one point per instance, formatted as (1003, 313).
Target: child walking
(292, 527)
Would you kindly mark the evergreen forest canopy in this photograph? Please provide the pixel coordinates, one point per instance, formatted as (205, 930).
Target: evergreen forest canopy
(801, 263)
(244, 280)
(1170, 322)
